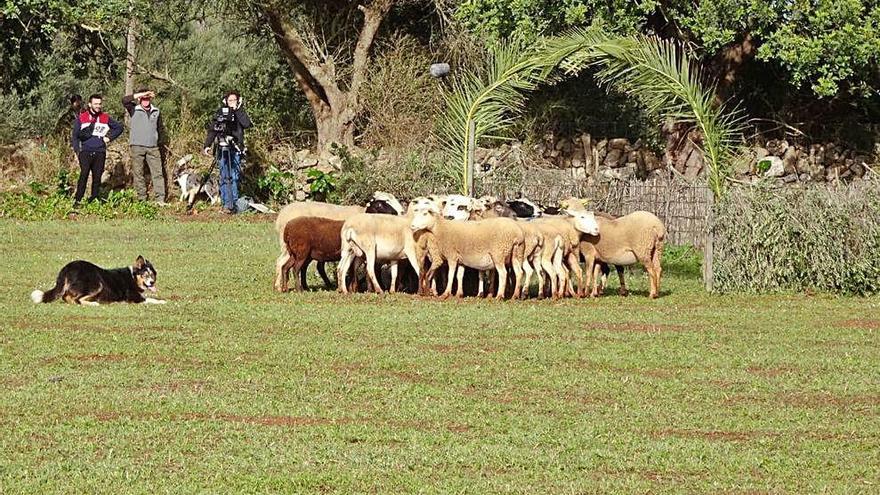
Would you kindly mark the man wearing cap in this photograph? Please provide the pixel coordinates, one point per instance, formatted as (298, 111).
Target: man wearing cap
(144, 141)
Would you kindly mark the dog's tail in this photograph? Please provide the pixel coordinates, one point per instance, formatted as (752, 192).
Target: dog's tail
(50, 295)
(39, 296)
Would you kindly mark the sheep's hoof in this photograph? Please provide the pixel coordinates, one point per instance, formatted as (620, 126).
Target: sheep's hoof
(652, 296)
(444, 297)
(623, 292)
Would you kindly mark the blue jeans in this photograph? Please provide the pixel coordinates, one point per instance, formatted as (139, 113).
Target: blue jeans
(230, 172)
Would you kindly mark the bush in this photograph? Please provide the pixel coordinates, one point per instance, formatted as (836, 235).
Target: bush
(409, 176)
(822, 237)
(37, 205)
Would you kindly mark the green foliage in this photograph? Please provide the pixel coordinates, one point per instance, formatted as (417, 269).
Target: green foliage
(417, 173)
(492, 100)
(830, 47)
(819, 238)
(279, 185)
(37, 205)
(660, 74)
(322, 185)
(663, 77)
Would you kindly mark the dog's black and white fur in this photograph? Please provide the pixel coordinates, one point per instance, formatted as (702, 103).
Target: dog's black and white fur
(189, 186)
(81, 282)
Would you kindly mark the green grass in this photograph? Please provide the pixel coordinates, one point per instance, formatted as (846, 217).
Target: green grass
(232, 387)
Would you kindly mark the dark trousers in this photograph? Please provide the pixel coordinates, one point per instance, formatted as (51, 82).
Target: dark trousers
(90, 162)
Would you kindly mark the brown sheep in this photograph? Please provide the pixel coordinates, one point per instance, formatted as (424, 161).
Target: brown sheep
(307, 239)
(634, 238)
(308, 209)
(482, 245)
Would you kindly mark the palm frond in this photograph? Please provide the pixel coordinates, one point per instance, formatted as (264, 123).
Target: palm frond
(663, 76)
(492, 101)
(666, 79)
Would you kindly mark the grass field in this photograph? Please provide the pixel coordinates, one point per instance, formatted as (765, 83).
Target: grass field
(233, 388)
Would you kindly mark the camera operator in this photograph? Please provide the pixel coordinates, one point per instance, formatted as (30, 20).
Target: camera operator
(226, 135)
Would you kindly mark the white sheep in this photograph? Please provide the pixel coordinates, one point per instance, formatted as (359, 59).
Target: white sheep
(634, 238)
(483, 245)
(384, 238)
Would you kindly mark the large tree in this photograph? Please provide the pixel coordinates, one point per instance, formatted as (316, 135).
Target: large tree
(824, 50)
(327, 45)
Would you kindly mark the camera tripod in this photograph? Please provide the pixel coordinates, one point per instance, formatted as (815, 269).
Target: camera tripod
(217, 154)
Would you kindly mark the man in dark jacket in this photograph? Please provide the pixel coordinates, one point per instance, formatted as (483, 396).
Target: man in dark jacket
(144, 142)
(92, 131)
(229, 146)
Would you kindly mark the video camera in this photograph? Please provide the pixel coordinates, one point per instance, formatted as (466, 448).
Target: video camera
(224, 121)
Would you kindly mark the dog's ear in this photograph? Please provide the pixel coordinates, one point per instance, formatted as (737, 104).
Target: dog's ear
(139, 262)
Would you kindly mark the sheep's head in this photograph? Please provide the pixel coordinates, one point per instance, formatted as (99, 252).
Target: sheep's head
(424, 216)
(390, 200)
(524, 208)
(457, 207)
(584, 221)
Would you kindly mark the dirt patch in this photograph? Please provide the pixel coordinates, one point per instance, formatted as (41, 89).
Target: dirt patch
(107, 358)
(408, 376)
(715, 435)
(180, 385)
(772, 372)
(460, 348)
(860, 323)
(662, 373)
(829, 400)
(215, 216)
(348, 367)
(633, 327)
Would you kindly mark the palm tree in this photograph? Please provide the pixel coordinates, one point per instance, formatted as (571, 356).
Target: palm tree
(491, 100)
(662, 75)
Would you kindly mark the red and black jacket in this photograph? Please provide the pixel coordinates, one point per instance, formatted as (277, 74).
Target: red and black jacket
(89, 130)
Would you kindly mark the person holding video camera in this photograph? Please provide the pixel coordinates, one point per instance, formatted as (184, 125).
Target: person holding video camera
(226, 137)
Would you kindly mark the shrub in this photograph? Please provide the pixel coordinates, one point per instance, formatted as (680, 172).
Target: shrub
(415, 174)
(37, 205)
(822, 237)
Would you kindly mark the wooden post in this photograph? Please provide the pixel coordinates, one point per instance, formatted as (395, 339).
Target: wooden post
(469, 175)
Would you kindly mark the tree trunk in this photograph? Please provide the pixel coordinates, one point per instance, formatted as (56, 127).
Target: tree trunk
(130, 41)
(335, 109)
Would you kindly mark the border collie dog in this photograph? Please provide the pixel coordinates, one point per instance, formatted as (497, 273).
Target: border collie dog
(81, 282)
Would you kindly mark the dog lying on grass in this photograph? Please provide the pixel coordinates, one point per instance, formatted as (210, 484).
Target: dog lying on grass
(81, 282)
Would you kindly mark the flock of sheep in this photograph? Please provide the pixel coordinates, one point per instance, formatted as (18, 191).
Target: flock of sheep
(513, 239)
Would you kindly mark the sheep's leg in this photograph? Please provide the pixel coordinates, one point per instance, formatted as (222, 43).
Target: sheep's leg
(527, 268)
(561, 276)
(622, 289)
(300, 268)
(453, 265)
(416, 260)
(575, 265)
(589, 261)
(459, 276)
(480, 278)
(355, 266)
(516, 261)
(501, 268)
(547, 266)
(658, 269)
(370, 252)
(301, 272)
(280, 276)
(323, 275)
(393, 268)
(284, 274)
(345, 261)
